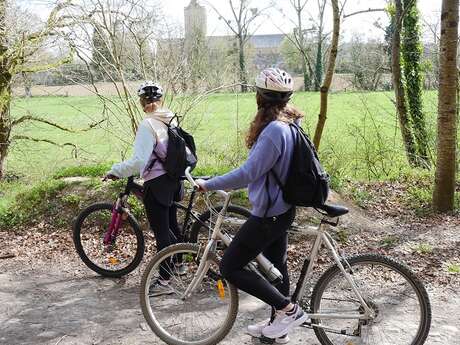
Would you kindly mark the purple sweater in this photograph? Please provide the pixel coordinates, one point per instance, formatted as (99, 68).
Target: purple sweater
(273, 150)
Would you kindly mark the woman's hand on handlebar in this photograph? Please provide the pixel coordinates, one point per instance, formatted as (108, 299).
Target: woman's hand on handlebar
(108, 177)
(201, 185)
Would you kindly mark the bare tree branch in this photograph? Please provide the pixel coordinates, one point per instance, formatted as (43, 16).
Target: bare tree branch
(37, 140)
(363, 11)
(53, 124)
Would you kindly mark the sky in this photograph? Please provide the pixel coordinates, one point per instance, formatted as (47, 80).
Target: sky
(275, 22)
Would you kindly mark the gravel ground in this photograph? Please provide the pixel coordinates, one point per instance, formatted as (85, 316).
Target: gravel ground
(47, 296)
(65, 303)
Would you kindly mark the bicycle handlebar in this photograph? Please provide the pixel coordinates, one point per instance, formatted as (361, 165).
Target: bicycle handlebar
(190, 178)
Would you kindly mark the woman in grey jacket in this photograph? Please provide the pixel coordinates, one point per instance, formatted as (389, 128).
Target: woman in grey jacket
(160, 190)
(271, 147)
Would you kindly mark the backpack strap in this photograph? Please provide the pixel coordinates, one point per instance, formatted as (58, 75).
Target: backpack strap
(277, 179)
(154, 133)
(267, 190)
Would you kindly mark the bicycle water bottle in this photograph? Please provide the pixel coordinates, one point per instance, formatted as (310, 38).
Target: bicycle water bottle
(269, 270)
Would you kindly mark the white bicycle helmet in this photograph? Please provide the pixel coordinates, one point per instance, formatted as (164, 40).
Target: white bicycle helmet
(274, 84)
(150, 90)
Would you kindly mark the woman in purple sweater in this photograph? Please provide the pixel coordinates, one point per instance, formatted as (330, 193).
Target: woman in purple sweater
(271, 145)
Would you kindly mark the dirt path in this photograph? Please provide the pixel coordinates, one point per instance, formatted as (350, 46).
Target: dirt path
(65, 305)
(47, 296)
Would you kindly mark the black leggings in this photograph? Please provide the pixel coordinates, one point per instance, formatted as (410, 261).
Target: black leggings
(163, 221)
(257, 235)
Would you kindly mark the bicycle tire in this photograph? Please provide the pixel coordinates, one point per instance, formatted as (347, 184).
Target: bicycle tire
(176, 249)
(197, 227)
(327, 277)
(83, 255)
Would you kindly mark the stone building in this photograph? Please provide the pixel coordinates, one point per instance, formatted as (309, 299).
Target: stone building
(195, 23)
(262, 50)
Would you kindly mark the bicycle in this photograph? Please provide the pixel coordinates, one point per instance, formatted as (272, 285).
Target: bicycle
(109, 240)
(363, 299)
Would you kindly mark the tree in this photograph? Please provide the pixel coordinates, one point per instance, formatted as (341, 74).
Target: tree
(411, 52)
(324, 91)
(444, 190)
(115, 42)
(367, 62)
(296, 48)
(241, 23)
(319, 45)
(17, 51)
(400, 97)
(403, 35)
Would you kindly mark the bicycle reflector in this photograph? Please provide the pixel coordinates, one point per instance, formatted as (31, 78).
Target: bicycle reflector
(220, 289)
(114, 261)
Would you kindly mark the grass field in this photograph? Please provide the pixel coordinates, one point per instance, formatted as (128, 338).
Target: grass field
(361, 138)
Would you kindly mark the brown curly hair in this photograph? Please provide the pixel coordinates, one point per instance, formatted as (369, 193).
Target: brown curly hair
(267, 112)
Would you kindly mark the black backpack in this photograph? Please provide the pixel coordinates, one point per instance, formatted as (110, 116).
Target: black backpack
(181, 152)
(307, 183)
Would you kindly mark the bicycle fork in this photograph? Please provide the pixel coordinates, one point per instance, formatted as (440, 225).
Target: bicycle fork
(115, 222)
(204, 262)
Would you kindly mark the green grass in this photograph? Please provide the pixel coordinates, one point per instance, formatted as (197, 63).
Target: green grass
(361, 140)
(30, 203)
(453, 268)
(423, 248)
(218, 124)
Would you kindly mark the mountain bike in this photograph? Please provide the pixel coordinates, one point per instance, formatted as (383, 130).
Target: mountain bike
(362, 299)
(109, 240)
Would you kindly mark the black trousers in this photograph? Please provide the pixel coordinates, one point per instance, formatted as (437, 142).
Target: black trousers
(260, 235)
(159, 194)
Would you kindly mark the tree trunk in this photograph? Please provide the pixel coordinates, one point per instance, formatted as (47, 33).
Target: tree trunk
(27, 85)
(242, 61)
(319, 62)
(319, 49)
(401, 108)
(5, 93)
(5, 130)
(306, 77)
(412, 53)
(444, 190)
(329, 73)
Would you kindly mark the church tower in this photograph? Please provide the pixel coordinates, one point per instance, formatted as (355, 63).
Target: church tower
(195, 22)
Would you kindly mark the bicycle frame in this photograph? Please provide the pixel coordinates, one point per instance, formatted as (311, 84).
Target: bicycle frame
(321, 237)
(120, 208)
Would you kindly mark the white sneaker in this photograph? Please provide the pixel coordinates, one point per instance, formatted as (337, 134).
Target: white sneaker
(180, 269)
(256, 332)
(284, 322)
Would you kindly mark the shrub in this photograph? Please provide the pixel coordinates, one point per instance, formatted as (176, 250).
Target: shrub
(97, 170)
(31, 204)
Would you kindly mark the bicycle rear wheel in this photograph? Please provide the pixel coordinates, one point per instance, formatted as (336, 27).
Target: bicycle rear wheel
(116, 260)
(400, 303)
(205, 317)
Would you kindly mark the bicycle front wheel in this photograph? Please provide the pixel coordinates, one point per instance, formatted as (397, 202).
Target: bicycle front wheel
(114, 260)
(400, 304)
(203, 318)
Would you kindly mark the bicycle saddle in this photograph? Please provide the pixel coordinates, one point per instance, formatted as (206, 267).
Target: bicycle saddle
(333, 210)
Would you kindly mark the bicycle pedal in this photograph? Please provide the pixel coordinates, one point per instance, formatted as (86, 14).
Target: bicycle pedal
(264, 340)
